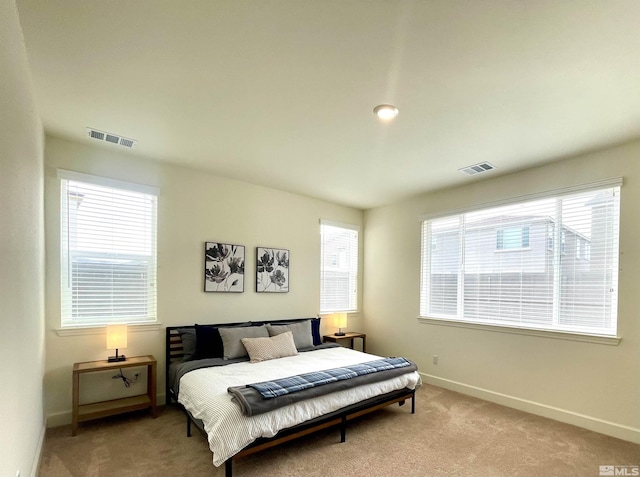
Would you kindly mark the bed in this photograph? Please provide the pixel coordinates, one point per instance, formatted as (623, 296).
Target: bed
(217, 372)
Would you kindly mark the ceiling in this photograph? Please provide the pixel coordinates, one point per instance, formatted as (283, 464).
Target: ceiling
(280, 92)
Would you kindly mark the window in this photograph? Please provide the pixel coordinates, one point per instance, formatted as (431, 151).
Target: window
(580, 248)
(108, 251)
(338, 267)
(512, 238)
(532, 284)
(550, 236)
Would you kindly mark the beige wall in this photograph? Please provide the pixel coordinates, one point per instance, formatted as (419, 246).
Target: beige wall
(193, 207)
(592, 385)
(21, 256)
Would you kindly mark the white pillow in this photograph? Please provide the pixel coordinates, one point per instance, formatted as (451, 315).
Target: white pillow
(263, 349)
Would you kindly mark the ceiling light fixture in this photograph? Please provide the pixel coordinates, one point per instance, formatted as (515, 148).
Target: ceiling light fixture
(385, 112)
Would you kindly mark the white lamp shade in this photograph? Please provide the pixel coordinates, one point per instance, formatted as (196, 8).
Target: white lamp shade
(116, 336)
(340, 320)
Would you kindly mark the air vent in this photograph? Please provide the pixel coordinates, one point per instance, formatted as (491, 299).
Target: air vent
(112, 138)
(127, 142)
(96, 134)
(477, 168)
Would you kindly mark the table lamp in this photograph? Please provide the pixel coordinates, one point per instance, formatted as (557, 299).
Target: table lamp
(116, 339)
(340, 321)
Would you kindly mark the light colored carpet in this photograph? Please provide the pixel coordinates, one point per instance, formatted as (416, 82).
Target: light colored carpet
(450, 435)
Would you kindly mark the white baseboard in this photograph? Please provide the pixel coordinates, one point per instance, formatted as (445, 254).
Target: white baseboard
(56, 419)
(588, 422)
(35, 467)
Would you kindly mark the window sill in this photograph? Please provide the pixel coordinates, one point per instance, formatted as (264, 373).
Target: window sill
(348, 312)
(514, 249)
(598, 339)
(96, 330)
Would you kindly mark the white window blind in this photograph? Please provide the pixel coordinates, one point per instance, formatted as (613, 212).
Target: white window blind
(550, 263)
(108, 250)
(338, 267)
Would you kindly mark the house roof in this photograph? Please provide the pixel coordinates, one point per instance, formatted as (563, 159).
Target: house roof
(281, 92)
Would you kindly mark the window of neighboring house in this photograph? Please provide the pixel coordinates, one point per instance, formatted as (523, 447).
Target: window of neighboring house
(579, 248)
(536, 285)
(583, 249)
(512, 238)
(338, 267)
(108, 251)
(550, 237)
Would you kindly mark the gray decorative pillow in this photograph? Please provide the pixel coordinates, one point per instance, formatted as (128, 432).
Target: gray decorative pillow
(188, 336)
(302, 336)
(233, 347)
(263, 349)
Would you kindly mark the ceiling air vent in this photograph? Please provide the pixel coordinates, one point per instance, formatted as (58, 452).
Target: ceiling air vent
(96, 134)
(477, 168)
(112, 138)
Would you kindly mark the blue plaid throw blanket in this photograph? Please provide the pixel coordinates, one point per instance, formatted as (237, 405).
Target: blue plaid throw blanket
(280, 387)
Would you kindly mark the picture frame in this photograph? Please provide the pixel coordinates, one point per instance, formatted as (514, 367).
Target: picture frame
(224, 267)
(272, 270)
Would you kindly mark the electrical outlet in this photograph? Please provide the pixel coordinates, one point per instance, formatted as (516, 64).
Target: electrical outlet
(435, 359)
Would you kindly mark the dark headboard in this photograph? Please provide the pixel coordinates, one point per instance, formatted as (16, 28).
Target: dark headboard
(174, 349)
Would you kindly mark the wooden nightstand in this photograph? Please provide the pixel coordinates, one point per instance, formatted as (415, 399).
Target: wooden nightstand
(349, 335)
(95, 410)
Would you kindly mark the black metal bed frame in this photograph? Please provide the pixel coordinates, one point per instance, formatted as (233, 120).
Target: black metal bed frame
(337, 418)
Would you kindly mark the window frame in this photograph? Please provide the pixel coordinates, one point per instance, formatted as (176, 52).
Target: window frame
(67, 322)
(586, 336)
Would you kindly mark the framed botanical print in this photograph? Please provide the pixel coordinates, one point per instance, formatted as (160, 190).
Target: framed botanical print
(272, 270)
(223, 267)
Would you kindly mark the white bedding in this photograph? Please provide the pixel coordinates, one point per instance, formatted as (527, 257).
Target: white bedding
(203, 393)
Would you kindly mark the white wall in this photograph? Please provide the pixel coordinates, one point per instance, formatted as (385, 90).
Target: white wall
(21, 256)
(193, 207)
(592, 385)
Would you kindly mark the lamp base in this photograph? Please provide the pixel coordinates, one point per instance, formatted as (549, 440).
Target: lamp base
(115, 359)
(339, 333)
